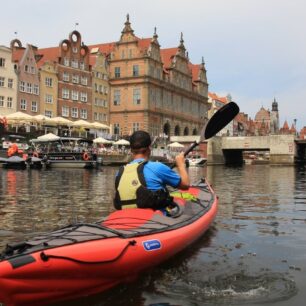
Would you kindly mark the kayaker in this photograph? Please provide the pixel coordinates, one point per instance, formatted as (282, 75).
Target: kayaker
(142, 183)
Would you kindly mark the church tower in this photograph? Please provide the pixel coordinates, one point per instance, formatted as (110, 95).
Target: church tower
(274, 120)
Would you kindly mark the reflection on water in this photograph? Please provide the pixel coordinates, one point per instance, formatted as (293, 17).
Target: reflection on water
(254, 253)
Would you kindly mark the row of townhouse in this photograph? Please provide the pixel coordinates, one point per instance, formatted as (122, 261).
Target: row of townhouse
(130, 84)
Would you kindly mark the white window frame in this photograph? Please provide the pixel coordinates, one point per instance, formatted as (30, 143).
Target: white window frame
(34, 106)
(82, 65)
(35, 89)
(75, 63)
(65, 111)
(22, 86)
(49, 98)
(74, 95)
(66, 76)
(65, 93)
(10, 83)
(75, 79)
(66, 62)
(2, 62)
(29, 87)
(117, 96)
(83, 113)
(84, 80)
(23, 104)
(9, 102)
(83, 96)
(1, 101)
(136, 96)
(136, 126)
(2, 81)
(49, 82)
(74, 112)
(48, 113)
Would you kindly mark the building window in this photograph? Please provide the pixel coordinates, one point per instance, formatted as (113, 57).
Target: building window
(74, 112)
(82, 65)
(35, 89)
(116, 128)
(65, 111)
(26, 68)
(2, 79)
(96, 87)
(48, 113)
(65, 93)
(22, 86)
(23, 104)
(130, 53)
(10, 83)
(1, 101)
(33, 70)
(101, 88)
(65, 76)
(34, 106)
(84, 80)
(66, 62)
(117, 72)
(9, 102)
(74, 63)
(83, 96)
(74, 95)
(48, 98)
(136, 126)
(29, 88)
(117, 96)
(75, 79)
(136, 96)
(83, 113)
(75, 50)
(2, 62)
(96, 117)
(135, 70)
(48, 82)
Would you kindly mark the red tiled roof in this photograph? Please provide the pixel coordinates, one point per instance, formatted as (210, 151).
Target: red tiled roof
(167, 55)
(104, 48)
(48, 54)
(195, 71)
(285, 126)
(144, 43)
(17, 54)
(214, 96)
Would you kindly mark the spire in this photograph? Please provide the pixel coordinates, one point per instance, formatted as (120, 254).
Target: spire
(127, 26)
(155, 37)
(181, 47)
(275, 106)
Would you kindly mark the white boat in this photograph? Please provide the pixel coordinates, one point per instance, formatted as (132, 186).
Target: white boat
(196, 161)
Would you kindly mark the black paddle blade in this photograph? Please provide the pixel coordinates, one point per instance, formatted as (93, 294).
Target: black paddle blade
(220, 119)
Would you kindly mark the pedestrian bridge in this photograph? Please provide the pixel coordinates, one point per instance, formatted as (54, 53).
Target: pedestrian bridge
(283, 148)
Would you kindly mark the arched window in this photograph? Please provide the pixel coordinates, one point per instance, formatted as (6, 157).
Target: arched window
(177, 131)
(167, 129)
(186, 131)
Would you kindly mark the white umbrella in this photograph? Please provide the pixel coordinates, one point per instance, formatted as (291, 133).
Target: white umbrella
(82, 123)
(19, 116)
(100, 126)
(101, 140)
(122, 142)
(41, 118)
(176, 145)
(59, 121)
(48, 137)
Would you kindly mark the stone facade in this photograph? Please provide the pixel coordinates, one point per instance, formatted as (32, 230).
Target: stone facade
(8, 82)
(154, 89)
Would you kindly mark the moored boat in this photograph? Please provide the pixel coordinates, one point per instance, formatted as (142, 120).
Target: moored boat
(83, 259)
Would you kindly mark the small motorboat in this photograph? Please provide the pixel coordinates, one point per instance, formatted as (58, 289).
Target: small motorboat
(13, 162)
(196, 161)
(83, 259)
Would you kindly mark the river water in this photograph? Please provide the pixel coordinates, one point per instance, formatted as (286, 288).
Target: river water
(253, 254)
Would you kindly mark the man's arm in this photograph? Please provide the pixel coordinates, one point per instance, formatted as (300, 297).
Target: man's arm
(181, 166)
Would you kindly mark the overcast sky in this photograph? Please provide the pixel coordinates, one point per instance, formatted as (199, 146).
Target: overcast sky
(253, 49)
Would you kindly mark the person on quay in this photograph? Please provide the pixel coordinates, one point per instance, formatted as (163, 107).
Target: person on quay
(142, 183)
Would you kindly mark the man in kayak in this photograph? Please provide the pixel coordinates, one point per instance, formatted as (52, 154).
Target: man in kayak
(142, 183)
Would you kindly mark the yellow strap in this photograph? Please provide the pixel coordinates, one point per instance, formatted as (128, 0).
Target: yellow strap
(129, 206)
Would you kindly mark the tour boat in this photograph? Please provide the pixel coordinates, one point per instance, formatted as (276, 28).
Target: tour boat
(64, 152)
(83, 259)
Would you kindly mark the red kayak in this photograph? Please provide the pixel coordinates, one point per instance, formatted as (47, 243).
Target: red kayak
(83, 259)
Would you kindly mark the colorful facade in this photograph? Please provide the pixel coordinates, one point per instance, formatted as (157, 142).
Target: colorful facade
(8, 82)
